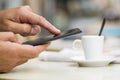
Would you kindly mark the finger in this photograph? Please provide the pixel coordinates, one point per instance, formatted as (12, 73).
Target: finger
(22, 51)
(31, 51)
(35, 29)
(8, 36)
(41, 48)
(24, 29)
(29, 17)
(15, 52)
(37, 50)
(21, 62)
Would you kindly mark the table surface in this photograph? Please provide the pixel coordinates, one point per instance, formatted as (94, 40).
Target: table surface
(40, 70)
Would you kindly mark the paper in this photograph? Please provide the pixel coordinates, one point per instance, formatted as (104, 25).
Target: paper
(114, 54)
(66, 55)
(63, 55)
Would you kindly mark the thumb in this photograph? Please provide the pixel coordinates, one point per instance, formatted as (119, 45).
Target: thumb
(24, 29)
(41, 48)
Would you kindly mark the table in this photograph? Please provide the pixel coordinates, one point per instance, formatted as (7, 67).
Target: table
(40, 70)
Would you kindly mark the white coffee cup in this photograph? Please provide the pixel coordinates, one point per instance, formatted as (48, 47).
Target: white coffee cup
(92, 46)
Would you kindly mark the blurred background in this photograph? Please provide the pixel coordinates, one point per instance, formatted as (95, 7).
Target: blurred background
(84, 14)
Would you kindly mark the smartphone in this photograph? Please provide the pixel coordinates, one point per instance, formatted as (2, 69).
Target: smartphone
(43, 40)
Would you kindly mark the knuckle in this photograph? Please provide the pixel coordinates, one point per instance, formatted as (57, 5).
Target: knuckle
(23, 8)
(26, 29)
(12, 35)
(19, 9)
(41, 18)
(7, 25)
(27, 6)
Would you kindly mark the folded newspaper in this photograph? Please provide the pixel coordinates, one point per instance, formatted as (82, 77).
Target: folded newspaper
(66, 55)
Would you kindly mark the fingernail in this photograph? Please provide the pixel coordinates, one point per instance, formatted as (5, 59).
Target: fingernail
(33, 31)
(58, 30)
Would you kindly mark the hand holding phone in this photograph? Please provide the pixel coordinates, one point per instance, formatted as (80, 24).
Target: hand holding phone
(49, 38)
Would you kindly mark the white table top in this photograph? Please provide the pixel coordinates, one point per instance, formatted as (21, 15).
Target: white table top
(39, 70)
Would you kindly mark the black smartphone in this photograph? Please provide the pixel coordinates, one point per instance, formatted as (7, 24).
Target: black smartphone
(43, 40)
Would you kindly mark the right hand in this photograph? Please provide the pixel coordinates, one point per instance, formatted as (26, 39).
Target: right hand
(12, 53)
(23, 21)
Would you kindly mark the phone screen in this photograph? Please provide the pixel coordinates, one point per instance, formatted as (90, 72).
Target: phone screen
(45, 39)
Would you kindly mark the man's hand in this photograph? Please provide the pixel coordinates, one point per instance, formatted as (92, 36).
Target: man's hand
(22, 20)
(12, 53)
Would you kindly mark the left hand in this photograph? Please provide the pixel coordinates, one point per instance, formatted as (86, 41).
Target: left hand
(12, 53)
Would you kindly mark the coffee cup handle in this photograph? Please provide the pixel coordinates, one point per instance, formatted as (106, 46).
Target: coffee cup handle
(76, 44)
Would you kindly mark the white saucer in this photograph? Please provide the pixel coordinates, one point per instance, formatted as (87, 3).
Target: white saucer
(92, 63)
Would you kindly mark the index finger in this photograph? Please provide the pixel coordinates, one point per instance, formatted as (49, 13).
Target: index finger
(29, 17)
